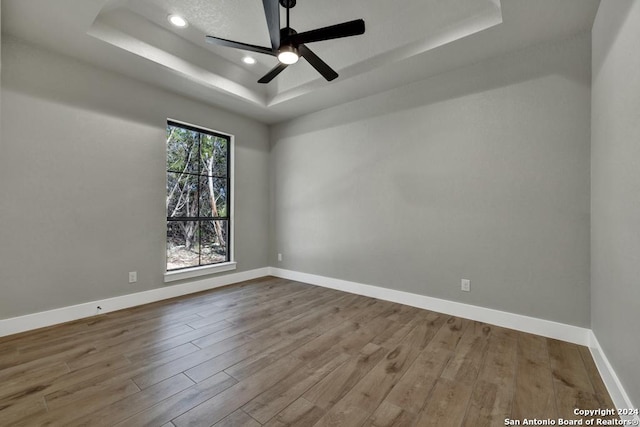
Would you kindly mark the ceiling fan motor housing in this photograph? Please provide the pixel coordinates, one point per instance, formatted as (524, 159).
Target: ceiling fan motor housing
(285, 36)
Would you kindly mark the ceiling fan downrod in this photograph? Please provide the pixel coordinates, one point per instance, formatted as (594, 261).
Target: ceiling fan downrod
(287, 4)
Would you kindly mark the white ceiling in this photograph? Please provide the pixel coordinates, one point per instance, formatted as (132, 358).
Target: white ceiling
(404, 42)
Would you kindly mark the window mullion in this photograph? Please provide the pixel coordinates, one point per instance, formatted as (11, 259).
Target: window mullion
(180, 258)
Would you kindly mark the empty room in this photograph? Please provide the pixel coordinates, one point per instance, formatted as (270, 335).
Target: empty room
(302, 213)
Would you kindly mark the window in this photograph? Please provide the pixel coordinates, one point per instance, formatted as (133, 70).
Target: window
(198, 198)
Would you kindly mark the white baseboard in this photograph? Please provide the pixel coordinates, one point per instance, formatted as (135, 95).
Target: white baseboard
(66, 314)
(546, 328)
(614, 386)
(532, 325)
(569, 333)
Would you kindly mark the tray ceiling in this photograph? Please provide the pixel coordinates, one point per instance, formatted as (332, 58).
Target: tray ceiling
(404, 42)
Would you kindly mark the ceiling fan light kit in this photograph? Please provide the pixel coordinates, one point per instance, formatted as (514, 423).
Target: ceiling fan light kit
(288, 55)
(288, 45)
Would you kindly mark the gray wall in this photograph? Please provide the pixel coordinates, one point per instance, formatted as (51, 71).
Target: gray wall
(615, 188)
(0, 46)
(479, 173)
(82, 178)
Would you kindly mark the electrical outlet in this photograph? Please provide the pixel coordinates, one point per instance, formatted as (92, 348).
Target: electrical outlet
(133, 276)
(465, 285)
(279, 257)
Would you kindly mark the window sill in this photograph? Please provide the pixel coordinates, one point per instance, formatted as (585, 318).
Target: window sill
(188, 273)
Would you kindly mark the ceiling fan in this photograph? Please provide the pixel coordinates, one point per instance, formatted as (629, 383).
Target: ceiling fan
(288, 45)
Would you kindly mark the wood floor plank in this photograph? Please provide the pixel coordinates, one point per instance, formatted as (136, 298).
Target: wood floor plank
(166, 352)
(94, 348)
(413, 389)
(301, 413)
(282, 347)
(270, 318)
(391, 335)
(447, 404)
(29, 381)
(154, 354)
(324, 307)
(181, 402)
(70, 379)
(567, 366)
(347, 308)
(493, 393)
(166, 310)
(369, 392)
(282, 353)
(600, 390)
(102, 338)
(573, 387)
(340, 336)
(234, 308)
(267, 404)
(404, 314)
(253, 296)
(334, 386)
(309, 313)
(348, 335)
(390, 415)
(62, 398)
(182, 364)
(11, 412)
(246, 351)
(89, 358)
(76, 405)
(534, 395)
(18, 369)
(127, 372)
(344, 416)
(233, 398)
(134, 404)
(273, 307)
(238, 419)
(469, 353)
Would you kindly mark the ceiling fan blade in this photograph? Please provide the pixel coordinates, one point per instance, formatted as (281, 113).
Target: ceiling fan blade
(317, 63)
(238, 45)
(346, 29)
(273, 73)
(272, 12)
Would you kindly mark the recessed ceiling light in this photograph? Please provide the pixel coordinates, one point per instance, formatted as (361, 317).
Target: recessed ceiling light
(248, 60)
(178, 21)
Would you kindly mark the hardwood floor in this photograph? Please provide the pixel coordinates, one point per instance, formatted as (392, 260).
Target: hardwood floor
(276, 353)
